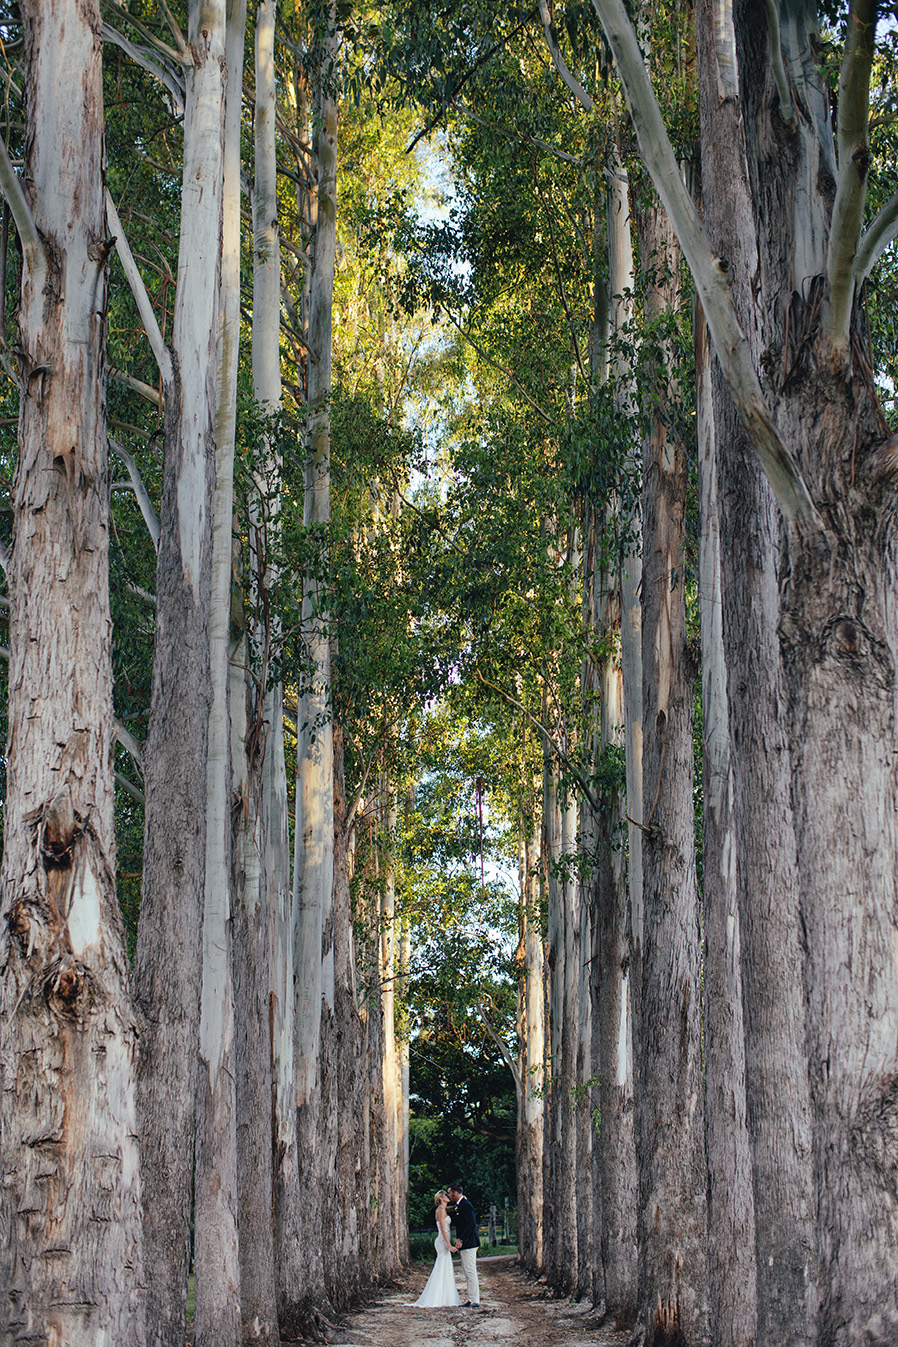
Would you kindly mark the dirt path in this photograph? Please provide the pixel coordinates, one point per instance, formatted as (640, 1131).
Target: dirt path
(512, 1311)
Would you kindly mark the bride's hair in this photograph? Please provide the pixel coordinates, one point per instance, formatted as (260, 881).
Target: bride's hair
(438, 1197)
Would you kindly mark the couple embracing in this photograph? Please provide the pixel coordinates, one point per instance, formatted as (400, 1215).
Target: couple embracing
(441, 1288)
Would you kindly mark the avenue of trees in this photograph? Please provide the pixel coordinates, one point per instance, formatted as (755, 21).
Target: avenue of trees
(444, 441)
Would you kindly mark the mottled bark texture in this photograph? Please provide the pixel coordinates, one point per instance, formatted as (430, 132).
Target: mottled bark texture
(70, 1228)
(671, 1218)
(169, 944)
(261, 856)
(559, 1198)
(809, 621)
(732, 1274)
(531, 1054)
(314, 841)
(349, 1266)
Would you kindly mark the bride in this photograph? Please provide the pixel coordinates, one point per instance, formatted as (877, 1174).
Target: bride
(440, 1288)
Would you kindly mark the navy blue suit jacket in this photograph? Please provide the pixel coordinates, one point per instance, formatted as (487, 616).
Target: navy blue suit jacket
(466, 1225)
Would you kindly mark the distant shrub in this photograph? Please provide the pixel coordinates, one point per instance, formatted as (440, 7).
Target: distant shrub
(420, 1246)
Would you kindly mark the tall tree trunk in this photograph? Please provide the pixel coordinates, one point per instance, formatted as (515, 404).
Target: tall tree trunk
(531, 1060)
(777, 1088)
(169, 940)
(836, 635)
(268, 785)
(260, 882)
(390, 1073)
(732, 1275)
(350, 1272)
(216, 1256)
(313, 865)
(669, 1097)
(562, 954)
(70, 1227)
(405, 960)
(613, 1037)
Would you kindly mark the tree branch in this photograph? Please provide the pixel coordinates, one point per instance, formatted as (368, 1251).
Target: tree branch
(133, 791)
(511, 133)
(145, 390)
(141, 57)
(709, 276)
(129, 744)
(880, 232)
(854, 163)
(140, 491)
(501, 368)
(139, 291)
(481, 60)
(787, 111)
(175, 30)
(558, 60)
(11, 186)
(548, 737)
(560, 279)
(506, 1055)
(122, 13)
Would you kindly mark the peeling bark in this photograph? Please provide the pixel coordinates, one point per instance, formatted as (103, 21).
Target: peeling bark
(70, 1227)
(667, 955)
(169, 943)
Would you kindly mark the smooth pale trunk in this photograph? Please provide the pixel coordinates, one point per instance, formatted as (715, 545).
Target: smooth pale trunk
(571, 1100)
(253, 1031)
(378, 1194)
(613, 1032)
(349, 1274)
(267, 828)
(614, 1063)
(561, 1228)
(404, 1147)
(260, 862)
(530, 1055)
(278, 903)
(392, 1101)
(216, 1256)
(70, 1225)
(732, 1276)
(169, 945)
(671, 1216)
(314, 843)
(589, 1212)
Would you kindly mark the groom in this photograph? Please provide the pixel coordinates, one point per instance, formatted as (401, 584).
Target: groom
(467, 1240)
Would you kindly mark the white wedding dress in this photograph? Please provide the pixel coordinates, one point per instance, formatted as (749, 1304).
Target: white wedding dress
(440, 1288)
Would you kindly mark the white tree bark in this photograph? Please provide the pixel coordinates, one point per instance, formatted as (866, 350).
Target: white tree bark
(732, 1274)
(216, 1259)
(710, 278)
(262, 999)
(169, 947)
(531, 1065)
(70, 1227)
(390, 1065)
(314, 857)
(667, 983)
(616, 894)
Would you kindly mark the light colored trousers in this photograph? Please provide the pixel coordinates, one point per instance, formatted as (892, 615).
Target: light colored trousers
(469, 1268)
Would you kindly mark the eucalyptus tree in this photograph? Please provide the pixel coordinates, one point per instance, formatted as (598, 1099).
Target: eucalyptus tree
(219, 1317)
(70, 1220)
(262, 953)
(786, 320)
(170, 936)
